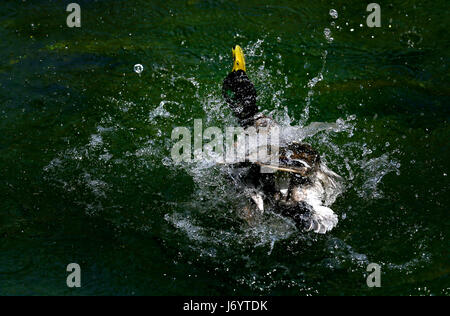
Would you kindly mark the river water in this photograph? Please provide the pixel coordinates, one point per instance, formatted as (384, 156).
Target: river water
(87, 176)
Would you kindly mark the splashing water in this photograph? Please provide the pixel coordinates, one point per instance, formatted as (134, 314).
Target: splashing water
(207, 220)
(86, 147)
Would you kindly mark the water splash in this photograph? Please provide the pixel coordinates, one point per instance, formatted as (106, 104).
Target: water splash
(311, 84)
(375, 169)
(208, 220)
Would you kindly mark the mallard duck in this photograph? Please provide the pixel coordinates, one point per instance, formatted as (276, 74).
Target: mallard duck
(299, 185)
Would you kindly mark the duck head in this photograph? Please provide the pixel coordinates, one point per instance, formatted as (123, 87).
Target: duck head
(238, 91)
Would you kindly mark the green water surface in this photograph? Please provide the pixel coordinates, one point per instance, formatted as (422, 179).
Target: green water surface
(85, 168)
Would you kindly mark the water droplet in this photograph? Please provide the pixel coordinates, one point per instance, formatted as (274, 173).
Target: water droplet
(327, 33)
(138, 68)
(334, 13)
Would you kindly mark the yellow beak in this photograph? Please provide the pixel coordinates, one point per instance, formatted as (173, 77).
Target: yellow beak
(238, 57)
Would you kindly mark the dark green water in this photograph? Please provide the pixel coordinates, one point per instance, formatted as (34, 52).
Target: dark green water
(86, 174)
